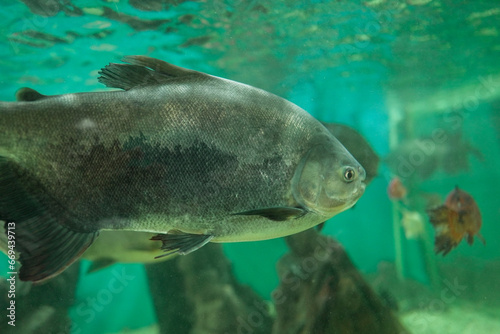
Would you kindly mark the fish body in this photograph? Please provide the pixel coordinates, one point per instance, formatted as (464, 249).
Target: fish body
(192, 157)
(459, 217)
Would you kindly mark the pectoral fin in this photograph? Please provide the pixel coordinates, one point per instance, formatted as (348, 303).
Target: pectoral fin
(276, 213)
(181, 243)
(44, 243)
(439, 216)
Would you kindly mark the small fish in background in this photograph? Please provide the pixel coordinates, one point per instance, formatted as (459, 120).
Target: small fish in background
(396, 189)
(457, 218)
(427, 155)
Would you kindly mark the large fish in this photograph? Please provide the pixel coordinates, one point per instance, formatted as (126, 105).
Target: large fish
(176, 151)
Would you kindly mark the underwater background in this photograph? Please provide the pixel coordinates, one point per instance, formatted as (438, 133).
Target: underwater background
(418, 79)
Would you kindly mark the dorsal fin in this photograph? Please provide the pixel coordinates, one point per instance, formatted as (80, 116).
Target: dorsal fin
(141, 71)
(27, 94)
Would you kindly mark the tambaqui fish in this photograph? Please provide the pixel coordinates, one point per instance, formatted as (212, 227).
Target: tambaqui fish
(177, 151)
(457, 218)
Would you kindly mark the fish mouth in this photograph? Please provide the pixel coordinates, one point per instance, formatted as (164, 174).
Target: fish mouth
(339, 204)
(360, 190)
(349, 201)
(356, 195)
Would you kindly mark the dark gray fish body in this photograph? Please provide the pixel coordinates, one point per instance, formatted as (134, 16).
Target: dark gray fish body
(179, 151)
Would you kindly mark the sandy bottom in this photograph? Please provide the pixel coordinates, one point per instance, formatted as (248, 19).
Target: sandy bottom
(467, 301)
(462, 318)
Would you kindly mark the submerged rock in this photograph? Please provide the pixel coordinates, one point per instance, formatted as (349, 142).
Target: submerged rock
(322, 292)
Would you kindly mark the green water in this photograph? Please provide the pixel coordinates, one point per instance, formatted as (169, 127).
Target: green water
(393, 70)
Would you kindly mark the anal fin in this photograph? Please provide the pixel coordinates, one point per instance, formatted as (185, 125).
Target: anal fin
(444, 244)
(181, 243)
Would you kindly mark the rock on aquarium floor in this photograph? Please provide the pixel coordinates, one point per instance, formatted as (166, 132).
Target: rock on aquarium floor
(463, 318)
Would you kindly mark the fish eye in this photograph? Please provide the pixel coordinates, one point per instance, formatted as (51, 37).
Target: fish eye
(349, 174)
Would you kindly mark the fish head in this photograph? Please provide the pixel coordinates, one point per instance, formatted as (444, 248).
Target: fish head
(328, 179)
